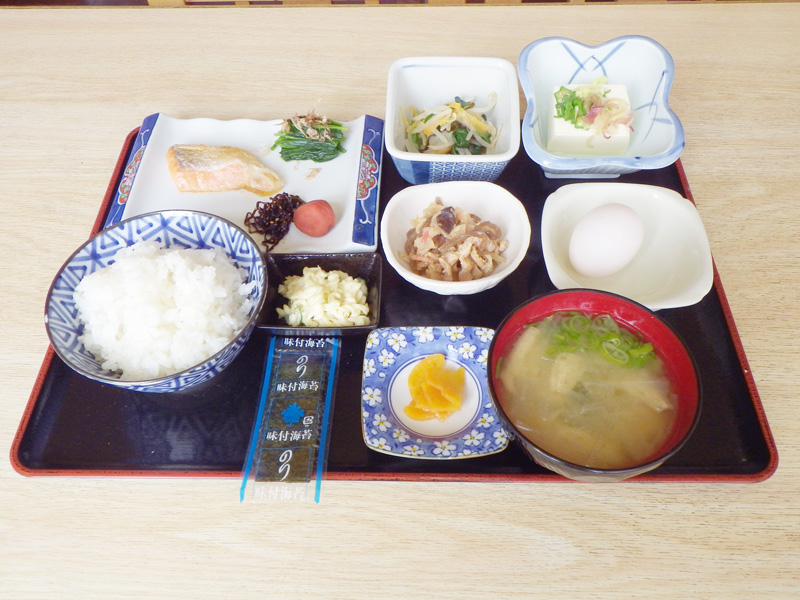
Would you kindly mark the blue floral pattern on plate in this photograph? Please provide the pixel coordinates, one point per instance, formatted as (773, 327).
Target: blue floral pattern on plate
(390, 355)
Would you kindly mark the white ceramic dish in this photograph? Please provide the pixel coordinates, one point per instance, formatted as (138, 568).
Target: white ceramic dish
(673, 267)
(485, 199)
(639, 63)
(390, 355)
(349, 182)
(425, 82)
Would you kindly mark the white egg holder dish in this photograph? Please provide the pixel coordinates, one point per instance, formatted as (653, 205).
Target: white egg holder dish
(672, 268)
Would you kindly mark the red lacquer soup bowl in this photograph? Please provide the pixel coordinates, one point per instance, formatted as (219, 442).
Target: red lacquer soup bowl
(679, 367)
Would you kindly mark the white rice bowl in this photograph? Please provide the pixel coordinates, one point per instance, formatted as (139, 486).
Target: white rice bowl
(157, 311)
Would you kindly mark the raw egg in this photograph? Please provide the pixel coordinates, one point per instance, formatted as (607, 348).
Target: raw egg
(605, 240)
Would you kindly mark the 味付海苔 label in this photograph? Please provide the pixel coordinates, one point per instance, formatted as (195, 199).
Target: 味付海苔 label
(287, 452)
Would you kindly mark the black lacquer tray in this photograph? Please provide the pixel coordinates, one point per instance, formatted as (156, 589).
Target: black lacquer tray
(75, 426)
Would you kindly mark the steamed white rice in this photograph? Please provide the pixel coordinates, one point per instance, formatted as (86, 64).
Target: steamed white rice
(158, 311)
(324, 299)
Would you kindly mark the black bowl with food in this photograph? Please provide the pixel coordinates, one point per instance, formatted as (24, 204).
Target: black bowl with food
(322, 294)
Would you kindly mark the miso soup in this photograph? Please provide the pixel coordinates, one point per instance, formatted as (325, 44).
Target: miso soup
(587, 391)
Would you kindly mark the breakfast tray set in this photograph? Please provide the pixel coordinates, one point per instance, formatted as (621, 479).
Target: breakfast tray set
(76, 426)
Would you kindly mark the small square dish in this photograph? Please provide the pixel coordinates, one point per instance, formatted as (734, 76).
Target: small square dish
(638, 63)
(391, 353)
(349, 182)
(367, 266)
(426, 82)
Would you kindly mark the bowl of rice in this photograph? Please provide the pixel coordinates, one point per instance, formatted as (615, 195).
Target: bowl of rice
(157, 303)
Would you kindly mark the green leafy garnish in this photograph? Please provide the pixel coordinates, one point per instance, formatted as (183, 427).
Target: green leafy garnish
(460, 136)
(310, 137)
(461, 140)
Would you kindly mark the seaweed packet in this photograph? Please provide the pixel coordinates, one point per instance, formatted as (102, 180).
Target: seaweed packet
(287, 455)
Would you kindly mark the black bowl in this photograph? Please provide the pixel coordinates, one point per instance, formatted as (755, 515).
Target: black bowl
(366, 265)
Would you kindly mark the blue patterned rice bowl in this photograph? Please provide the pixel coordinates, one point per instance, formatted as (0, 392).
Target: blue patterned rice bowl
(176, 228)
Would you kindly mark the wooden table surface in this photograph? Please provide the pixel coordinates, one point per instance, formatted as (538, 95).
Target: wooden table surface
(74, 83)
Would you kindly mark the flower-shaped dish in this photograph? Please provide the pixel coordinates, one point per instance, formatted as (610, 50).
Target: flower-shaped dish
(366, 265)
(391, 353)
(178, 228)
(639, 63)
(673, 267)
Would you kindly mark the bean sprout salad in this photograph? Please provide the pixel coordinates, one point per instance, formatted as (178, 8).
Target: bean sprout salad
(458, 127)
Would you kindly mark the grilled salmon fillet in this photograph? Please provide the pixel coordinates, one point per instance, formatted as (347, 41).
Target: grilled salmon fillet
(199, 168)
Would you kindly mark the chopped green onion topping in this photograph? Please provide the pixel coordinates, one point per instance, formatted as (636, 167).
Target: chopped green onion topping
(577, 331)
(569, 106)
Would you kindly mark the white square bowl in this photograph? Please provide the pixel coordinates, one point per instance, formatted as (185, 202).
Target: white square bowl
(429, 81)
(639, 63)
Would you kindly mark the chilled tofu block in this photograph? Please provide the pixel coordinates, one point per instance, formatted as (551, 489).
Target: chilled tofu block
(564, 138)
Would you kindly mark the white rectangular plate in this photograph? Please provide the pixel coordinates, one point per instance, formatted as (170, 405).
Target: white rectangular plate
(350, 182)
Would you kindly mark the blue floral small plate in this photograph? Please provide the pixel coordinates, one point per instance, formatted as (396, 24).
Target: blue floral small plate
(390, 355)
